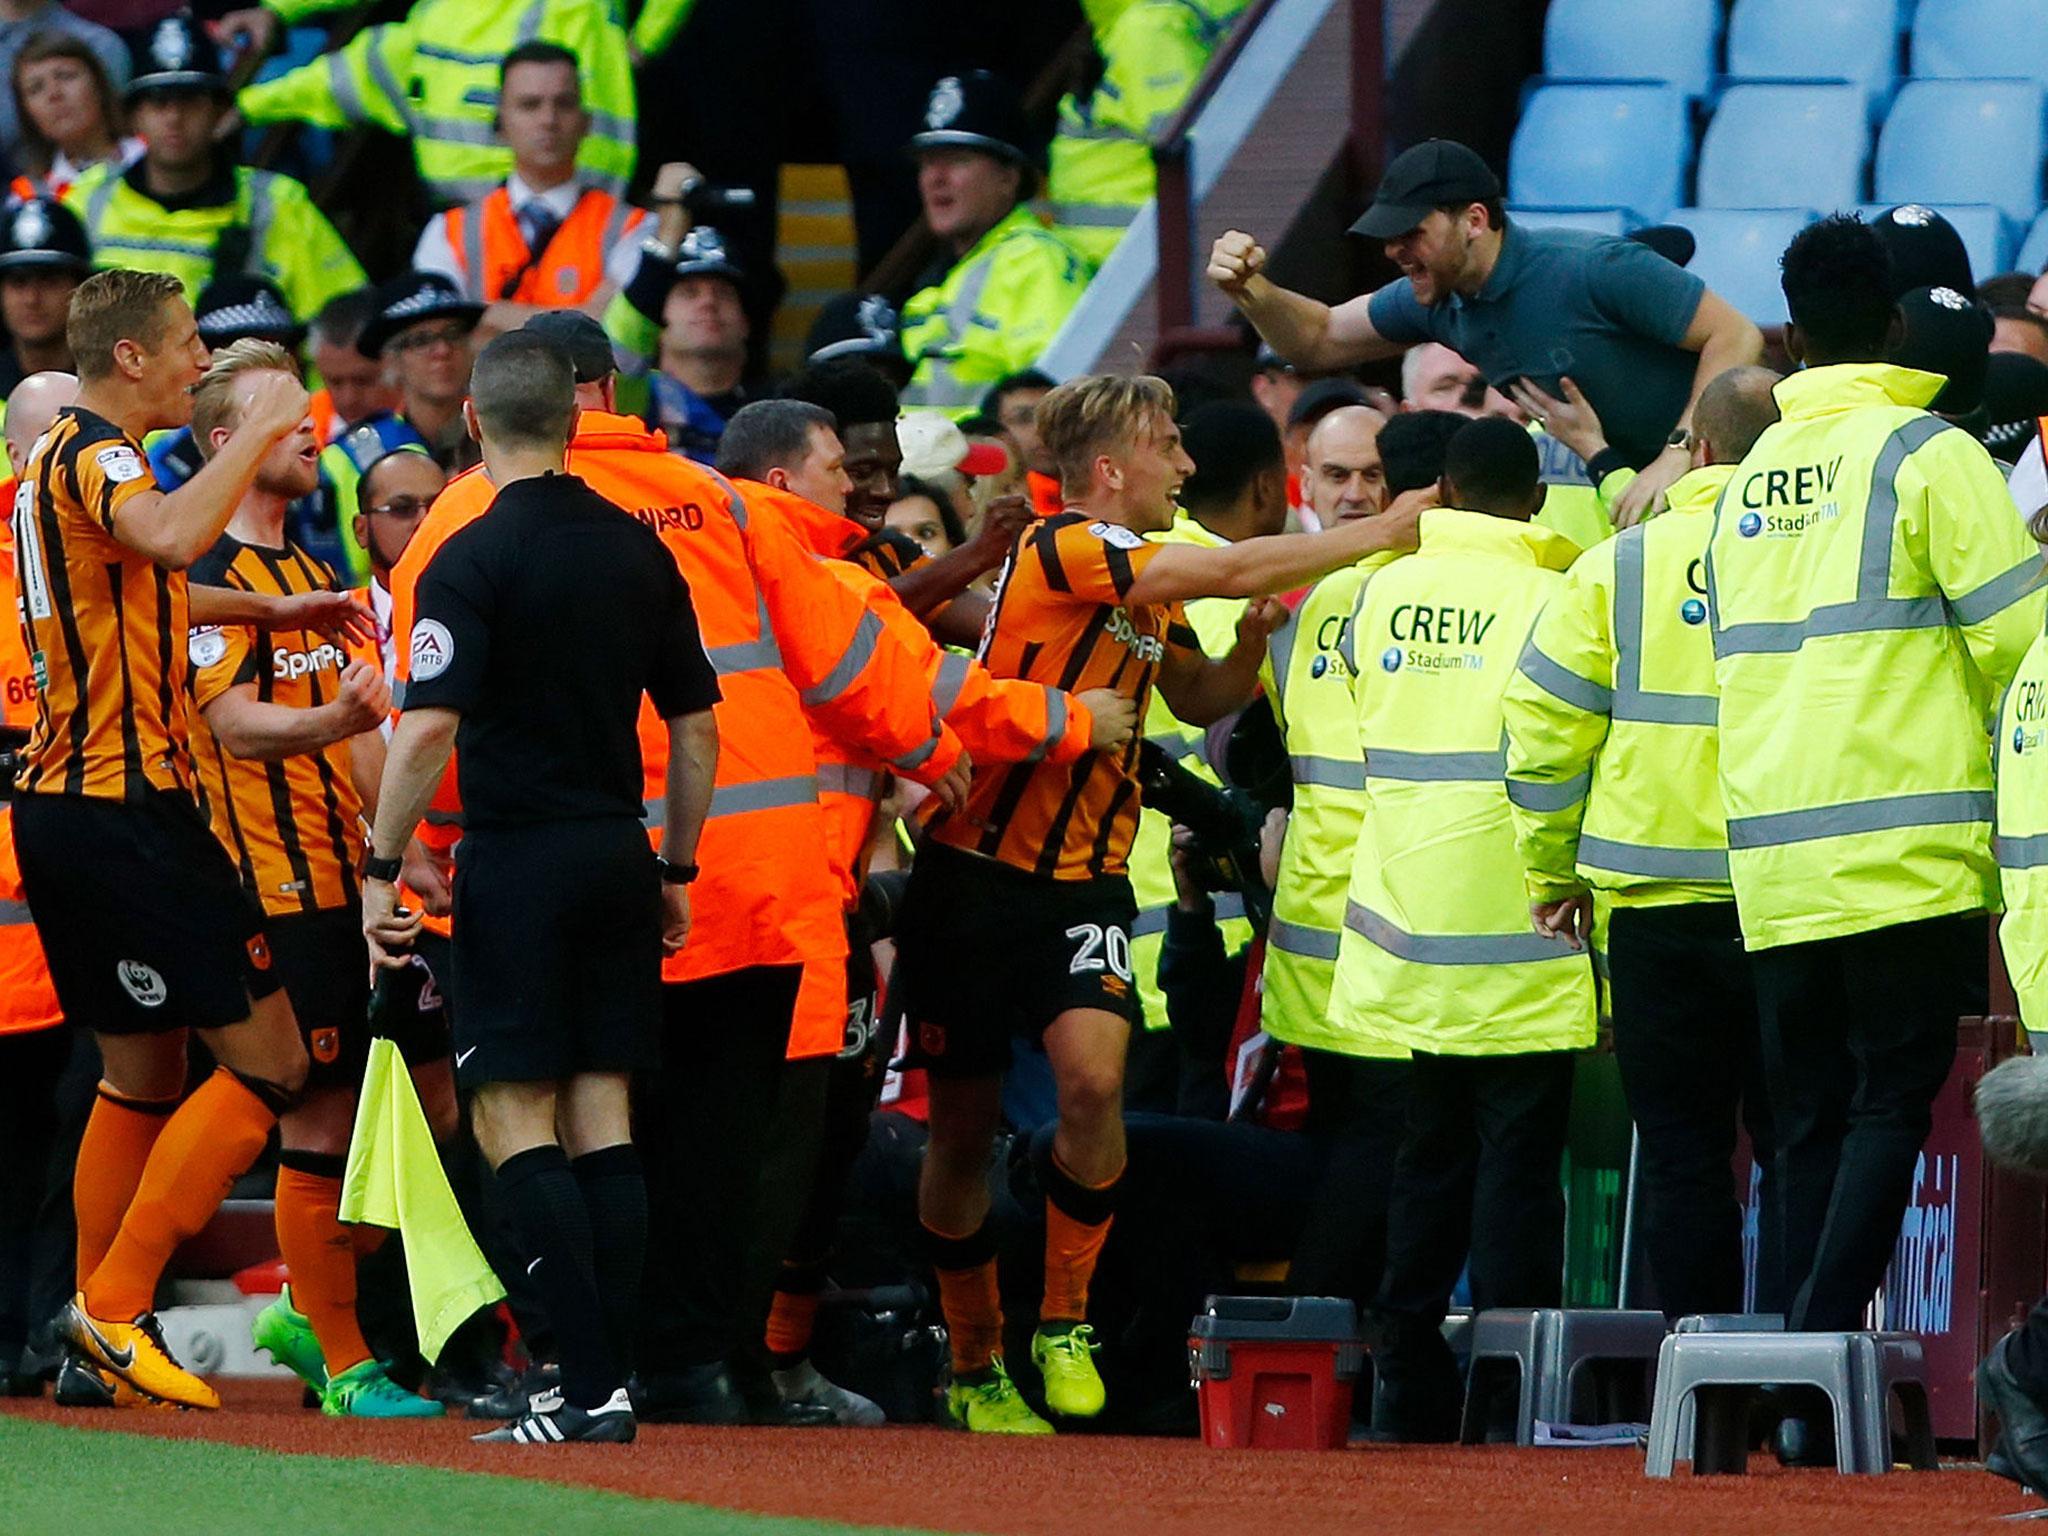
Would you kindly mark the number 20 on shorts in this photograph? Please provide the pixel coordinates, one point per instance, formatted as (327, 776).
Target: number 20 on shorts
(1099, 949)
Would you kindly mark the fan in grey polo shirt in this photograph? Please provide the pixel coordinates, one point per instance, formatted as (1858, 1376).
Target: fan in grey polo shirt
(1639, 336)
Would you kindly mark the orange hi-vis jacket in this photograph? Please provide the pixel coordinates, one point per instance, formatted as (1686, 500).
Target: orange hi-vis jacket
(28, 999)
(786, 637)
(497, 263)
(998, 719)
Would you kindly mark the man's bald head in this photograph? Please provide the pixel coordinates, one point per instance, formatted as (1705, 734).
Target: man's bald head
(32, 407)
(1341, 469)
(1731, 415)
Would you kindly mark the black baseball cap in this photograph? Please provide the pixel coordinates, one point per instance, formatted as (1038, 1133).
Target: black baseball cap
(581, 338)
(1436, 173)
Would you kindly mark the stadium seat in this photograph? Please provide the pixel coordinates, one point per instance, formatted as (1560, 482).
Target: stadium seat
(1738, 254)
(1601, 221)
(1963, 141)
(1987, 233)
(1670, 40)
(1962, 39)
(2033, 254)
(1601, 146)
(1854, 40)
(1772, 146)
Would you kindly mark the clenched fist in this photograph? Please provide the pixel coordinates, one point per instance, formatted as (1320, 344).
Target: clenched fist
(364, 699)
(1114, 717)
(276, 405)
(1234, 261)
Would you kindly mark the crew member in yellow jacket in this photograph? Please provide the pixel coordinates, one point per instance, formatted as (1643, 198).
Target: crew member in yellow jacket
(1871, 591)
(1437, 952)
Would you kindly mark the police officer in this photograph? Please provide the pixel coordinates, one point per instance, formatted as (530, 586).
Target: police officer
(1436, 954)
(563, 912)
(433, 78)
(185, 208)
(1869, 588)
(43, 257)
(1612, 777)
(423, 334)
(1006, 282)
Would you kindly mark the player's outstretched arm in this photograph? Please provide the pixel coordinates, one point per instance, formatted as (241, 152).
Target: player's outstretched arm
(1278, 562)
(250, 728)
(1200, 690)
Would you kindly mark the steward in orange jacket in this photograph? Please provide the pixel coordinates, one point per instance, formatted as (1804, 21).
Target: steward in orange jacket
(496, 263)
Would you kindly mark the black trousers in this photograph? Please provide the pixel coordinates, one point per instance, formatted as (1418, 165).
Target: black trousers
(704, 1125)
(1478, 1176)
(1691, 1055)
(1357, 1111)
(1859, 1035)
(46, 1092)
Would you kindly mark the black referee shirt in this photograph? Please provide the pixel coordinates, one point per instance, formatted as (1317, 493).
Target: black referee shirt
(543, 622)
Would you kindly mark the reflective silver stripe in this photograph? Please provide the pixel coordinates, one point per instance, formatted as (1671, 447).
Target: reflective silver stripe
(454, 130)
(14, 914)
(1094, 215)
(164, 247)
(1860, 616)
(434, 818)
(1881, 513)
(916, 757)
(397, 693)
(846, 779)
(1280, 656)
(385, 81)
(341, 83)
(1549, 797)
(1999, 593)
(1300, 939)
(1328, 772)
(1435, 767)
(1175, 744)
(613, 125)
(1454, 948)
(1229, 907)
(262, 210)
(860, 650)
(1055, 725)
(1654, 863)
(764, 795)
(943, 389)
(1630, 701)
(96, 207)
(951, 679)
(1940, 808)
(530, 20)
(2030, 852)
(757, 655)
(615, 226)
(449, 55)
(1561, 682)
(473, 250)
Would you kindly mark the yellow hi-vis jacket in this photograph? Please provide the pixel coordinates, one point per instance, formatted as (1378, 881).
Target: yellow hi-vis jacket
(2021, 837)
(1308, 681)
(1214, 621)
(1438, 952)
(433, 78)
(1871, 589)
(1612, 773)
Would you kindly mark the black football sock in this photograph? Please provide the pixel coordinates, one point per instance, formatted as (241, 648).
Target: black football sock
(546, 1207)
(615, 1195)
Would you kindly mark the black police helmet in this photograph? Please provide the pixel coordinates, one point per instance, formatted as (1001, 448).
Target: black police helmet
(42, 232)
(979, 110)
(175, 54)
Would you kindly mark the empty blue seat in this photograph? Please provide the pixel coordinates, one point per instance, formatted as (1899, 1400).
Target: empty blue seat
(1633, 40)
(1855, 40)
(1601, 221)
(1987, 233)
(1738, 254)
(1965, 39)
(1785, 146)
(1601, 146)
(2033, 256)
(1963, 141)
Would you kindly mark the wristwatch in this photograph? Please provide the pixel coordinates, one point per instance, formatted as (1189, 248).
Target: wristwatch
(386, 870)
(675, 874)
(1681, 437)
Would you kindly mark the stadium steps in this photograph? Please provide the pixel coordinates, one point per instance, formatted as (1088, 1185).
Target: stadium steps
(815, 248)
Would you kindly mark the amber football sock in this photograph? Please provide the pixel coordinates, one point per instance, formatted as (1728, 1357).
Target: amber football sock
(1077, 1220)
(969, 1295)
(118, 1136)
(211, 1138)
(791, 1317)
(320, 1254)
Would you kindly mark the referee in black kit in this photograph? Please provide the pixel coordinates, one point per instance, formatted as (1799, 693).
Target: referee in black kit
(538, 628)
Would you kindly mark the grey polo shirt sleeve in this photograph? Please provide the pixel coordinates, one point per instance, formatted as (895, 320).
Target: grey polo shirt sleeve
(1638, 290)
(1397, 315)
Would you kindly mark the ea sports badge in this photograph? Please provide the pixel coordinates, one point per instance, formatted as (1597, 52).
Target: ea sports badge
(433, 648)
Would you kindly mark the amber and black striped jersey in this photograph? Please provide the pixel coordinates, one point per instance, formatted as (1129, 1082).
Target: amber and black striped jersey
(887, 553)
(1060, 619)
(292, 827)
(105, 626)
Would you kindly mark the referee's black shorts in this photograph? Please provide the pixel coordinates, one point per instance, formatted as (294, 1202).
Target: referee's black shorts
(557, 951)
(145, 922)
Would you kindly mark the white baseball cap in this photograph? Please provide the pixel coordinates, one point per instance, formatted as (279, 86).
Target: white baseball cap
(932, 445)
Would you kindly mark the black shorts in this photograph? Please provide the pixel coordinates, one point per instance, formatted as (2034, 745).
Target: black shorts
(557, 947)
(145, 922)
(325, 964)
(986, 951)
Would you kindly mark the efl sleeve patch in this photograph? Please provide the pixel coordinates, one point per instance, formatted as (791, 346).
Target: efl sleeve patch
(120, 464)
(1117, 535)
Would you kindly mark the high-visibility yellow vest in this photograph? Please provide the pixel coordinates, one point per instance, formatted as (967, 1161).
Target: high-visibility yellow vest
(1100, 161)
(1438, 953)
(1612, 760)
(1572, 504)
(433, 78)
(1214, 620)
(1871, 589)
(1308, 679)
(2021, 838)
(284, 237)
(992, 316)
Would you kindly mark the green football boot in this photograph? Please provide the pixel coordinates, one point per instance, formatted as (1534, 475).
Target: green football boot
(366, 1392)
(282, 1332)
(988, 1403)
(1065, 1356)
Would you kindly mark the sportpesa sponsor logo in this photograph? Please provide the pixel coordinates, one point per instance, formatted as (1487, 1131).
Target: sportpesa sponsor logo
(287, 663)
(1125, 633)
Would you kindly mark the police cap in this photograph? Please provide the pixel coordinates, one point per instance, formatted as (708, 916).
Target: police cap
(42, 232)
(238, 305)
(175, 54)
(409, 298)
(979, 110)
(855, 325)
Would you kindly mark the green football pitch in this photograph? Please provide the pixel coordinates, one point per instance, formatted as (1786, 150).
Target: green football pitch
(74, 1482)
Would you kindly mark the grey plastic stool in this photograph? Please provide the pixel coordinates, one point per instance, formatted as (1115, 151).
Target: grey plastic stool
(1562, 1359)
(1720, 1322)
(1721, 1372)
